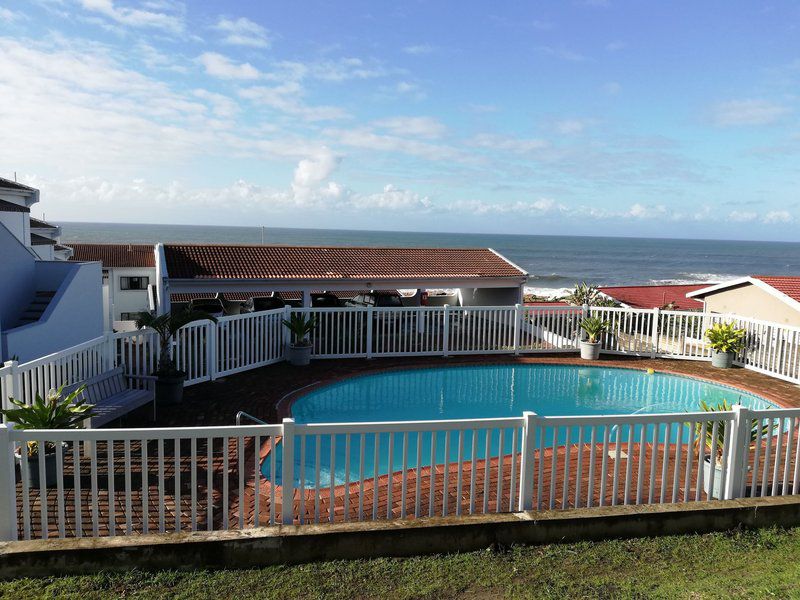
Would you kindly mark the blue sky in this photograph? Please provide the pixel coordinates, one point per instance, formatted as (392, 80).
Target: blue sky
(606, 117)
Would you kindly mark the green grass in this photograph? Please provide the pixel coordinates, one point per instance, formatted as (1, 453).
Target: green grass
(748, 564)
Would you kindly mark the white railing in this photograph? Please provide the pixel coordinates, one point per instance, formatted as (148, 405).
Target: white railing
(234, 344)
(220, 478)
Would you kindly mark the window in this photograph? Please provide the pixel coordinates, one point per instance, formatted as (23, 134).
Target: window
(133, 283)
(129, 316)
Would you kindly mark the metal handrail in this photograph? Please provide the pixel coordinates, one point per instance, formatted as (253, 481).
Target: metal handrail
(241, 414)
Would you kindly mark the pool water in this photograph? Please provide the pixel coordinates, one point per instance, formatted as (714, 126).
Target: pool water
(477, 392)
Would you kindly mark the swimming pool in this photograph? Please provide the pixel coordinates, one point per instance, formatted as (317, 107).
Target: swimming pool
(479, 392)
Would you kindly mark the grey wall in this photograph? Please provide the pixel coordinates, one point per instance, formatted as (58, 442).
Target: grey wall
(490, 296)
(17, 278)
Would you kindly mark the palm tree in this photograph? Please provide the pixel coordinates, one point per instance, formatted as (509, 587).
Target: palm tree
(584, 293)
(166, 326)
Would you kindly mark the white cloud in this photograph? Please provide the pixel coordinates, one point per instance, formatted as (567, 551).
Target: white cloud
(515, 145)
(392, 199)
(482, 108)
(365, 138)
(221, 105)
(243, 32)
(424, 127)
(160, 18)
(419, 49)
(540, 207)
(288, 98)
(748, 112)
(774, 217)
(571, 126)
(739, 216)
(615, 46)
(612, 88)
(221, 66)
(9, 16)
(334, 70)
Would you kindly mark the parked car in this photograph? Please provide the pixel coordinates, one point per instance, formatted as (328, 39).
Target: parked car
(325, 300)
(212, 306)
(377, 299)
(260, 303)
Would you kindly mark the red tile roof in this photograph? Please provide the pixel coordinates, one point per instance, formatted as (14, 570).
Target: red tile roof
(656, 296)
(243, 296)
(784, 284)
(197, 261)
(115, 255)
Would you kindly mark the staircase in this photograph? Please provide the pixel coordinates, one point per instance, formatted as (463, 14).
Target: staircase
(36, 308)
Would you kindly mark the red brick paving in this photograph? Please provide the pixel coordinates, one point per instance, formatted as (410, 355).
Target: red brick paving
(259, 392)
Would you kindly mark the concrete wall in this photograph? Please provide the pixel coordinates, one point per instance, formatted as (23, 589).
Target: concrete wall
(752, 301)
(17, 280)
(490, 296)
(75, 313)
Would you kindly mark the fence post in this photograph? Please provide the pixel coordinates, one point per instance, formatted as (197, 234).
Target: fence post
(446, 332)
(8, 498)
(655, 332)
(211, 347)
(110, 357)
(517, 326)
(287, 472)
(287, 315)
(12, 385)
(526, 461)
(738, 451)
(370, 316)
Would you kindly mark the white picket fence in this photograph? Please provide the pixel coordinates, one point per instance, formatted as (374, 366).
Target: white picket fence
(108, 482)
(207, 350)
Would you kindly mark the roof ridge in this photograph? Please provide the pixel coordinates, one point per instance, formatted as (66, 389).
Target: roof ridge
(317, 247)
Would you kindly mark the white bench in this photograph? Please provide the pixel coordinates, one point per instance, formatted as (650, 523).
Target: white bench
(111, 396)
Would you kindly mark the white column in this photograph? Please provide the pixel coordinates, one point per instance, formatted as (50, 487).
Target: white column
(738, 450)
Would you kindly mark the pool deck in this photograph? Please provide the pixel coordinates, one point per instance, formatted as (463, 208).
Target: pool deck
(267, 394)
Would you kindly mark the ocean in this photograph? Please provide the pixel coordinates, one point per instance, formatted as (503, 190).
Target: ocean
(555, 263)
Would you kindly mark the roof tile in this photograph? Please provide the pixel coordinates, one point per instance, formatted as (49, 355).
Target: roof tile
(115, 255)
(202, 261)
(656, 296)
(785, 284)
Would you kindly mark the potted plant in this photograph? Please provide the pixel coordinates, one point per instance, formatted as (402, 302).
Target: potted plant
(594, 327)
(300, 327)
(704, 433)
(169, 380)
(725, 341)
(54, 412)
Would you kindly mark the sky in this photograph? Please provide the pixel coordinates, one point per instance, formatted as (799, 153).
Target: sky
(584, 117)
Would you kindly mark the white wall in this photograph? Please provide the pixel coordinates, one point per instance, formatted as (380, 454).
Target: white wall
(128, 300)
(17, 279)
(74, 315)
(18, 224)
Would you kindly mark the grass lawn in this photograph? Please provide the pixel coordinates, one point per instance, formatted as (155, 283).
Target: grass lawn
(748, 564)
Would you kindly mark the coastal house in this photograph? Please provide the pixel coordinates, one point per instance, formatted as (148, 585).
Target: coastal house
(671, 297)
(129, 275)
(769, 298)
(46, 303)
(481, 276)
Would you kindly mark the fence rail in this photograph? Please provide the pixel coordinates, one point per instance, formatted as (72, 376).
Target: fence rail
(206, 350)
(109, 482)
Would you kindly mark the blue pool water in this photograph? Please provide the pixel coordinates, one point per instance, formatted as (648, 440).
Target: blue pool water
(476, 392)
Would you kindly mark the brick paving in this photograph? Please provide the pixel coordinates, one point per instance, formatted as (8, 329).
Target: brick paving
(267, 393)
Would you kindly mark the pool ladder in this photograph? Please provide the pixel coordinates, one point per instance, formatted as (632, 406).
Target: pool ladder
(243, 415)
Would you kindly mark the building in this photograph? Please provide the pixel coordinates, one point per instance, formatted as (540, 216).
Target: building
(482, 276)
(129, 275)
(46, 303)
(672, 297)
(769, 298)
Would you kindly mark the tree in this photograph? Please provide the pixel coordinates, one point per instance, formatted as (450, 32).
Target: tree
(166, 326)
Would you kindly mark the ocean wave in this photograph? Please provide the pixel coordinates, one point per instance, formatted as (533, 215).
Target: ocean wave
(551, 277)
(689, 278)
(546, 292)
